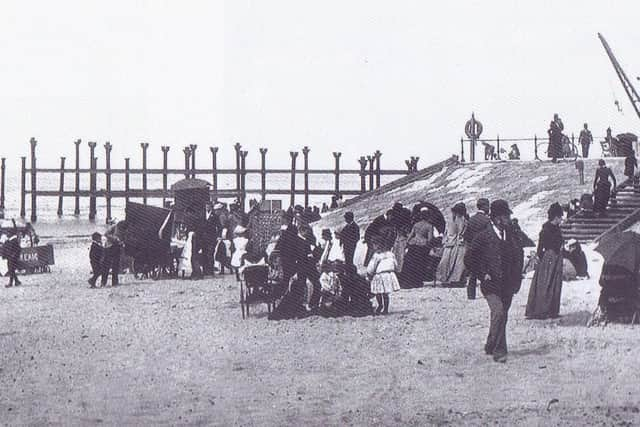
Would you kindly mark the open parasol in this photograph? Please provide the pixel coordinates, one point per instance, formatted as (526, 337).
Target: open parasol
(435, 215)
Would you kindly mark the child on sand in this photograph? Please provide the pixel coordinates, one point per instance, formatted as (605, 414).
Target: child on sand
(96, 254)
(381, 271)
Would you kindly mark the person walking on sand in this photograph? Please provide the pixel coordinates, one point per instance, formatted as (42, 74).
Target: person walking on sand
(11, 252)
(381, 271)
(585, 139)
(546, 286)
(477, 223)
(492, 257)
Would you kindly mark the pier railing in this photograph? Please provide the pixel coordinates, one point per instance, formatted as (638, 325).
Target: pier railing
(539, 145)
(369, 171)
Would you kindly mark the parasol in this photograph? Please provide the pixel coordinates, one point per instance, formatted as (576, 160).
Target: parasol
(435, 215)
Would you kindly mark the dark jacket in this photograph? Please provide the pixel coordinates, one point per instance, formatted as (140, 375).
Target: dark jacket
(375, 227)
(500, 259)
(11, 249)
(475, 225)
(550, 238)
(292, 250)
(211, 230)
(349, 237)
(630, 164)
(96, 253)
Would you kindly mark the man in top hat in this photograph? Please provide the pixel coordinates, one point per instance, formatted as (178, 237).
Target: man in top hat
(492, 257)
(477, 223)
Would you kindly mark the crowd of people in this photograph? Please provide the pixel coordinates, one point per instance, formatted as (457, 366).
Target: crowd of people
(406, 248)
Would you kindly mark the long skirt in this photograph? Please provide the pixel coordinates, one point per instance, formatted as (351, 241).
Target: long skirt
(451, 266)
(601, 196)
(546, 287)
(415, 265)
(399, 250)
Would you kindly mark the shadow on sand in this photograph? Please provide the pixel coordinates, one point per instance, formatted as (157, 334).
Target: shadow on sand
(578, 318)
(534, 351)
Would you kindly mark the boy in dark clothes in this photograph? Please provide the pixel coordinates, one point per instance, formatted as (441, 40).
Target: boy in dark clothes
(11, 251)
(96, 255)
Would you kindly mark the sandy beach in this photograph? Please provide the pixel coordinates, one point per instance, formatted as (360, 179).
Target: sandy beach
(178, 352)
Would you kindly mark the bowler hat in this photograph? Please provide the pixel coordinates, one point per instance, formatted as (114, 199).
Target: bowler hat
(500, 207)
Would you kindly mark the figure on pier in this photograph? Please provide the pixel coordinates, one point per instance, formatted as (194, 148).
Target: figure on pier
(555, 138)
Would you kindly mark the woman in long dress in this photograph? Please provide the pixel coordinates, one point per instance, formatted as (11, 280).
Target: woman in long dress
(546, 286)
(414, 268)
(602, 187)
(451, 268)
(403, 228)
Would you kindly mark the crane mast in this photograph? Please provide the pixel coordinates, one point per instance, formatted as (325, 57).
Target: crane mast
(626, 83)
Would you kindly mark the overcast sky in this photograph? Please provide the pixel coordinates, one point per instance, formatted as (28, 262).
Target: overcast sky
(350, 76)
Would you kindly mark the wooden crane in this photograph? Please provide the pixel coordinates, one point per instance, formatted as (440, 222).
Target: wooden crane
(626, 83)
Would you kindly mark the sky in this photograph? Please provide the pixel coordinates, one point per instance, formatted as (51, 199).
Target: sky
(351, 76)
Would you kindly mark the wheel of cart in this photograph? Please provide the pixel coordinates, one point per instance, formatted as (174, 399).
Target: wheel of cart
(569, 149)
(256, 288)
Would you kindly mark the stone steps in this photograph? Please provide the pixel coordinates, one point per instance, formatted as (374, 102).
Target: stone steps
(586, 228)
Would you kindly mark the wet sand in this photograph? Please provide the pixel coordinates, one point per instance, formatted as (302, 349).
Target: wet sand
(178, 352)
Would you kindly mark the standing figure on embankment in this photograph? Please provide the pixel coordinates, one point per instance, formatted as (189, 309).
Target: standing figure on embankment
(630, 165)
(555, 138)
(602, 188)
(585, 139)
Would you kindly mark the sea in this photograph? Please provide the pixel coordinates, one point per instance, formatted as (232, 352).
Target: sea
(48, 206)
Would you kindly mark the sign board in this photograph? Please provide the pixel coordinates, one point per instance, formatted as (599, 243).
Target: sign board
(36, 258)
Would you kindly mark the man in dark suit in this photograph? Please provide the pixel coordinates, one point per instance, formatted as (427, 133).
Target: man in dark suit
(349, 237)
(477, 223)
(211, 231)
(289, 245)
(493, 258)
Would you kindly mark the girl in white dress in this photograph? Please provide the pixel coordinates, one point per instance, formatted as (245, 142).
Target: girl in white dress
(382, 274)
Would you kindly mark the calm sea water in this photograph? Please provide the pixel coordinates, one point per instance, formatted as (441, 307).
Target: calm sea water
(48, 206)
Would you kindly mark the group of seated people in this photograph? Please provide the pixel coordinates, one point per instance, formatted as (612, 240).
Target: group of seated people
(311, 275)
